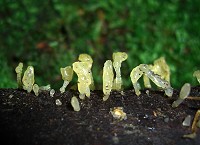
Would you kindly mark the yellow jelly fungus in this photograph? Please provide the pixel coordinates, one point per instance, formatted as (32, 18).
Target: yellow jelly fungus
(18, 70)
(67, 74)
(82, 69)
(75, 103)
(28, 79)
(138, 71)
(197, 75)
(184, 92)
(108, 77)
(36, 89)
(118, 58)
(161, 68)
(87, 58)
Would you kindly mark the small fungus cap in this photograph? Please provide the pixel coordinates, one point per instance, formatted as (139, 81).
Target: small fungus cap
(119, 56)
(67, 73)
(85, 58)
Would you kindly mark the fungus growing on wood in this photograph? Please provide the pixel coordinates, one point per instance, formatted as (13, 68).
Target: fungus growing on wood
(18, 70)
(36, 89)
(161, 68)
(83, 71)
(108, 77)
(28, 79)
(138, 71)
(185, 91)
(67, 74)
(118, 58)
(87, 58)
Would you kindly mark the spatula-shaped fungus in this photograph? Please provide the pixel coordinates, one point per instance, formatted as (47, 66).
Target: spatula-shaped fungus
(67, 74)
(28, 79)
(82, 69)
(87, 58)
(36, 89)
(18, 70)
(75, 103)
(108, 77)
(185, 91)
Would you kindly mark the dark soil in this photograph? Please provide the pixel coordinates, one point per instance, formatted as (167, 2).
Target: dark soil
(29, 120)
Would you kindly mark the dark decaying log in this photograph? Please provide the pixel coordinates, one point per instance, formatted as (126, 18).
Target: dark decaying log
(29, 120)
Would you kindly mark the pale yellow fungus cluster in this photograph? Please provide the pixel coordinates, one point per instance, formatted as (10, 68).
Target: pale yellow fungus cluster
(27, 82)
(82, 69)
(108, 77)
(118, 58)
(160, 68)
(144, 69)
(75, 103)
(67, 74)
(158, 73)
(118, 113)
(109, 83)
(184, 93)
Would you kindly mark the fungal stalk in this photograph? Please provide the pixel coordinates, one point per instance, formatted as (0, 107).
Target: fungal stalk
(118, 58)
(88, 58)
(83, 71)
(28, 79)
(18, 70)
(67, 74)
(108, 77)
(138, 71)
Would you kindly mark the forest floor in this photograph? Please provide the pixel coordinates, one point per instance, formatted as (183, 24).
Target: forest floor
(26, 119)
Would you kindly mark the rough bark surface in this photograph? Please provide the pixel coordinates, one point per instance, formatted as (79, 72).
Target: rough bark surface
(26, 119)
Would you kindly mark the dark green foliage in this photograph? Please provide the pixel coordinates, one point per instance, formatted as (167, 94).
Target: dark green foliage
(51, 34)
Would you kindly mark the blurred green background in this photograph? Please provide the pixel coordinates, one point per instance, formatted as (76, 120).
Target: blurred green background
(50, 34)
